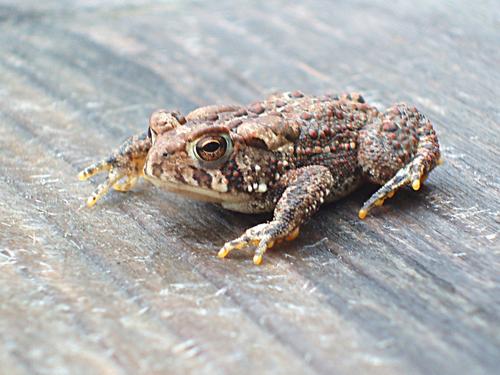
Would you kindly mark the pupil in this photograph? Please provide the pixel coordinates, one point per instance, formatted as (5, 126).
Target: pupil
(214, 145)
(211, 146)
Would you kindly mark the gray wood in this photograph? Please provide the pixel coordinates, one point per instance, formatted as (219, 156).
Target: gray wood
(133, 286)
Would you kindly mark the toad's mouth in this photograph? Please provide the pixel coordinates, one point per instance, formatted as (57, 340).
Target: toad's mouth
(197, 192)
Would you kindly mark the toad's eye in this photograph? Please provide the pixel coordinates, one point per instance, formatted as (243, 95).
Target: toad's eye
(213, 147)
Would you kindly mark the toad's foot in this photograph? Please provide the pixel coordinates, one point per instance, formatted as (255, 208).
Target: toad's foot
(412, 174)
(304, 190)
(263, 236)
(125, 164)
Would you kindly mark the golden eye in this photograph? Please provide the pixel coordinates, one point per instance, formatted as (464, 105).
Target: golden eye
(212, 147)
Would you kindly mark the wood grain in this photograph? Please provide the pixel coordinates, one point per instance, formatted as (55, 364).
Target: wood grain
(133, 286)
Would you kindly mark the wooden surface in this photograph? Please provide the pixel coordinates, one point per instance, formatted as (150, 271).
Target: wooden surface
(134, 287)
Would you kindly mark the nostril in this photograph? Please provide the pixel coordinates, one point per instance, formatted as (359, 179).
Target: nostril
(165, 154)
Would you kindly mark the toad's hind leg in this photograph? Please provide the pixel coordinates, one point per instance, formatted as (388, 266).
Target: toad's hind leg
(398, 148)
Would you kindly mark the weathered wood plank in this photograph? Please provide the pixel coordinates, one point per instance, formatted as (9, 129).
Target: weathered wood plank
(133, 286)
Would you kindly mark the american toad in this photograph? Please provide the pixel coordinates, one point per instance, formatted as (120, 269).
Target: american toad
(289, 154)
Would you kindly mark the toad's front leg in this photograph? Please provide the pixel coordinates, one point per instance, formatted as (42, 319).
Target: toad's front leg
(126, 163)
(305, 189)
